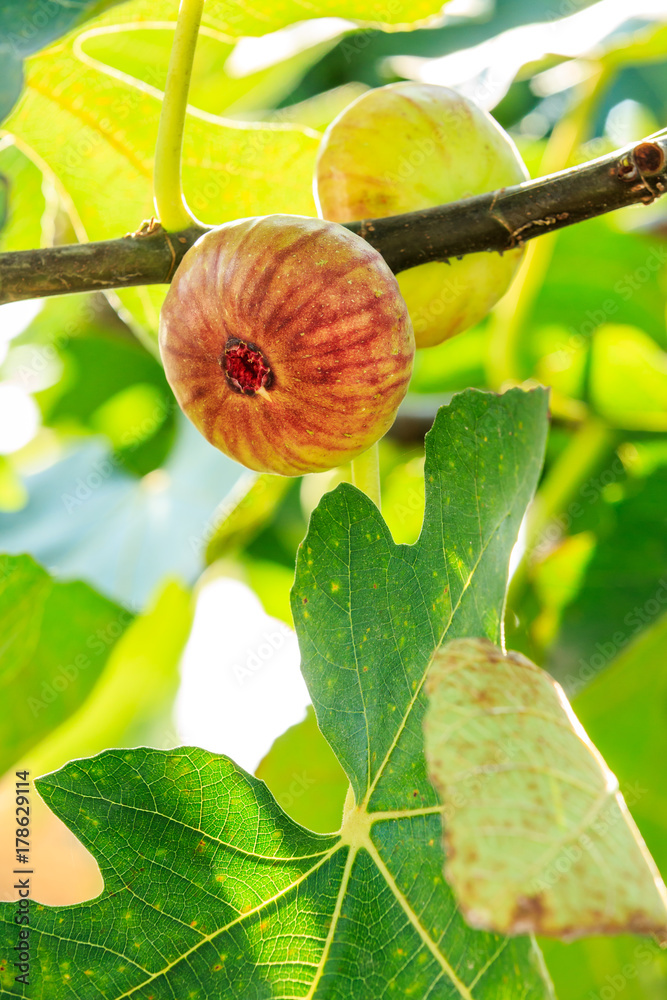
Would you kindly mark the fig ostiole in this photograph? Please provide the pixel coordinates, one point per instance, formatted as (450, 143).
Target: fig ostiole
(409, 146)
(286, 342)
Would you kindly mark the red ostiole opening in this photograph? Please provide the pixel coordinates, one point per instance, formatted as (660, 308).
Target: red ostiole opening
(245, 367)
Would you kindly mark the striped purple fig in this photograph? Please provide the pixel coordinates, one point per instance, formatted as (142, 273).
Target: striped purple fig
(286, 342)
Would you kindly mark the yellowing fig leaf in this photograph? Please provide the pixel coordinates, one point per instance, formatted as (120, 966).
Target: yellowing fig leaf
(239, 18)
(92, 129)
(537, 835)
(90, 125)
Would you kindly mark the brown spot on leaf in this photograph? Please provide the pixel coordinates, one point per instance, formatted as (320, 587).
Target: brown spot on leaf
(529, 914)
(483, 697)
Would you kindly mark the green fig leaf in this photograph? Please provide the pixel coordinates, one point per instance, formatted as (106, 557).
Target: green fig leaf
(388, 607)
(537, 835)
(210, 889)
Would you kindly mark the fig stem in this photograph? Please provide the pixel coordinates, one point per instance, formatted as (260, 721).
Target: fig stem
(366, 473)
(170, 204)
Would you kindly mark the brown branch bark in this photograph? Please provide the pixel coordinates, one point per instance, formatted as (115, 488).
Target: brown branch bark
(498, 221)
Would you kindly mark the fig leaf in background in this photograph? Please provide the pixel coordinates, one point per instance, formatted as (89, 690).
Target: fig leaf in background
(56, 640)
(628, 380)
(537, 835)
(221, 84)
(209, 887)
(93, 124)
(261, 17)
(95, 129)
(12, 79)
(155, 526)
(26, 220)
(624, 712)
(302, 772)
(30, 25)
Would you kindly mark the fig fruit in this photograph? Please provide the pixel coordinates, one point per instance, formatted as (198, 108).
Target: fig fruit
(287, 342)
(409, 146)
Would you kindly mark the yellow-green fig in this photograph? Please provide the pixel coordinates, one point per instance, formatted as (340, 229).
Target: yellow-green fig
(287, 342)
(410, 146)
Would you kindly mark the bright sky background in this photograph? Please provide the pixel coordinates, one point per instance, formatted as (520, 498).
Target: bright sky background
(19, 415)
(242, 686)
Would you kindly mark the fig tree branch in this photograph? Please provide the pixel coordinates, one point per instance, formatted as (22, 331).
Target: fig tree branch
(498, 221)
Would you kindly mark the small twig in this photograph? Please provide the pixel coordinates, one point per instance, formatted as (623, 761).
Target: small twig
(498, 221)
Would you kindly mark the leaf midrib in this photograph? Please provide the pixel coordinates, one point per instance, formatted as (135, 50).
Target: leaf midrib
(195, 829)
(454, 609)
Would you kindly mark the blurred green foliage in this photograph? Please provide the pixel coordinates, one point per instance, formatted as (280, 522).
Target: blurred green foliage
(28, 26)
(47, 671)
(303, 773)
(132, 699)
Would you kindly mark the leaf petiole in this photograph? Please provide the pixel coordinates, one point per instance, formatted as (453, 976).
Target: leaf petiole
(170, 204)
(366, 473)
